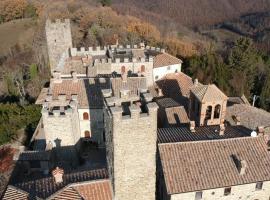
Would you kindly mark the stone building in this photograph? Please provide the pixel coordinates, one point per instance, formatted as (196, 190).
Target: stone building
(225, 169)
(207, 105)
(131, 125)
(59, 41)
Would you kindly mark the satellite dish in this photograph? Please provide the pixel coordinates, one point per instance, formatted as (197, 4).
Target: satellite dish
(253, 134)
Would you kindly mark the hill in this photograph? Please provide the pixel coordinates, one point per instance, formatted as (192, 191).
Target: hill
(190, 12)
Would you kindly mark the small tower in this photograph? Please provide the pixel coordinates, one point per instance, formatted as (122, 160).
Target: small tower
(59, 41)
(207, 105)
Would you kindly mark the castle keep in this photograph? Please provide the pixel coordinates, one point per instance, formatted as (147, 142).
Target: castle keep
(122, 122)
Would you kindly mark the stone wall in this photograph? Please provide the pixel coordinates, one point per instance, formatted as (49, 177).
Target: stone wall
(134, 153)
(59, 40)
(61, 129)
(245, 192)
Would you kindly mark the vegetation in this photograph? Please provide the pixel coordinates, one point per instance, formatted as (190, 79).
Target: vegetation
(14, 117)
(16, 9)
(242, 69)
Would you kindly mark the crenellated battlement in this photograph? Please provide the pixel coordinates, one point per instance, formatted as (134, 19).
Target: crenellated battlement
(103, 50)
(58, 23)
(88, 51)
(61, 111)
(144, 107)
(123, 60)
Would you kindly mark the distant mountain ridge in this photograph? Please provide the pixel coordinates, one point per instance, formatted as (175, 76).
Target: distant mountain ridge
(190, 12)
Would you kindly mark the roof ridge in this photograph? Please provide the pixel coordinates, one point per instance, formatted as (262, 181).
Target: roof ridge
(211, 141)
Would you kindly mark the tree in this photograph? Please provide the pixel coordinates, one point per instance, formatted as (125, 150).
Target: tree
(242, 60)
(106, 2)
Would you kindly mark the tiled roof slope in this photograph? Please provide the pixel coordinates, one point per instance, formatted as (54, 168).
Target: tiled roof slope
(98, 190)
(175, 84)
(250, 117)
(45, 187)
(132, 84)
(88, 90)
(196, 166)
(67, 193)
(13, 193)
(183, 134)
(165, 59)
(176, 116)
(206, 93)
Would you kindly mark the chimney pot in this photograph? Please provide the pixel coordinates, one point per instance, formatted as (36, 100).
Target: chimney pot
(196, 82)
(58, 175)
(261, 130)
(243, 167)
(192, 126)
(124, 77)
(222, 129)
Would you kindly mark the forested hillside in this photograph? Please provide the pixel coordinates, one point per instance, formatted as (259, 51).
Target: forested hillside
(190, 12)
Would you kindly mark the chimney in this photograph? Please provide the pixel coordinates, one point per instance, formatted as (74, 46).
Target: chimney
(124, 77)
(74, 76)
(57, 77)
(222, 129)
(196, 82)
(192, 126)
(237, 120)
(243, 167)
(260, 130)
(58, 175)
(160, 92)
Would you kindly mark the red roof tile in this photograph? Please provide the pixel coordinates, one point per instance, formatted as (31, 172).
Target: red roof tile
(195, 166)
(165, 59)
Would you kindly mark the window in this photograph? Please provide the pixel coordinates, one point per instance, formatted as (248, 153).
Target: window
(259, 185)
(208, 113)
(227, 191)
(217, 111)
(198, 195)
(87, 134)
(142, 68)
(85, 116)
(123, 69)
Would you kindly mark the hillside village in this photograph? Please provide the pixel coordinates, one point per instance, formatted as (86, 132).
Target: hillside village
(124, 123)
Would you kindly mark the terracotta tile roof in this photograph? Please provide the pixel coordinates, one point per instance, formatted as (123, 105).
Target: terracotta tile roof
(206, 93)
(88, 90)
(176, 116)
(250, 117)
(166, 102)
(196, 166)
(67, 194)
(175, 84)
(13, 193)
(183, 134)
(97, 190)
(165, 59)
(133, 84)
(45, 187)
(75, 64)
(34, 155)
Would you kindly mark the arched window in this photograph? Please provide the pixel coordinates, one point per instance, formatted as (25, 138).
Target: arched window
(87, 134)
(217, 111)
(123, 69)
(208, 113)
(142, 68)
(85, 116)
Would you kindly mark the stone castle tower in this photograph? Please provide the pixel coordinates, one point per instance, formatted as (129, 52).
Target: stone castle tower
(131, 150)
(59, 41)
